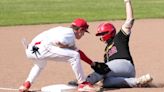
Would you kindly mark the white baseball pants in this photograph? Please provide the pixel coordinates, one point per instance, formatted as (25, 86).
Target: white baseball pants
(55, 54)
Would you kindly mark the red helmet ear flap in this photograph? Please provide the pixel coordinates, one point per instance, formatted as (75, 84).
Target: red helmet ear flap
(106, 30)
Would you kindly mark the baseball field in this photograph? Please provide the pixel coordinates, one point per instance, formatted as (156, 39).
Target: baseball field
(146, 41)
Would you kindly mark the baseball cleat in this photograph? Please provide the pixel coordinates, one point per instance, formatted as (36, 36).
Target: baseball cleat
(87, 87)
(25, 87)
(144, 80)
(73, 83)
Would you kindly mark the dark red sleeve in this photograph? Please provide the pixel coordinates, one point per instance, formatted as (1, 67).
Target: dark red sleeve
(84, 57)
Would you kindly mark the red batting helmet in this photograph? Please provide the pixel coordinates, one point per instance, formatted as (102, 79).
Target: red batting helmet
(106, 30)
(79, 22)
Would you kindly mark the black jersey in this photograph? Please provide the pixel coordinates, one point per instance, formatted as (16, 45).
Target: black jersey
(119, 48)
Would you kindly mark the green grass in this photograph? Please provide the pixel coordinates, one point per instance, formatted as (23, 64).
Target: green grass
(23, 12)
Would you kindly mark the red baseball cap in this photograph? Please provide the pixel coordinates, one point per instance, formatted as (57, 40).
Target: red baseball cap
(79, 22)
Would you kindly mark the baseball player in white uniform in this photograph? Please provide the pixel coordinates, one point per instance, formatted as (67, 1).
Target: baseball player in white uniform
(58, 44)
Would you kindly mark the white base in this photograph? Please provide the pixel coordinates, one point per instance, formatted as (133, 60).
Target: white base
(57, 88)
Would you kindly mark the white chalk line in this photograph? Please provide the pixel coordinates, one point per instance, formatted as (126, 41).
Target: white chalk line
(11, 89)
(16, 89)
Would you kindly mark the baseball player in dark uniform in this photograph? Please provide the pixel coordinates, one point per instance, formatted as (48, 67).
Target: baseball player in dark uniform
(117, 55)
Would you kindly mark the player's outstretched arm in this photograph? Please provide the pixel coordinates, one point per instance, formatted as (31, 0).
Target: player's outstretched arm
(129, 17)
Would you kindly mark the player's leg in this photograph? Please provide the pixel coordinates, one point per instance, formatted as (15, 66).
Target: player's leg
(73, 57)
(122, 75)
(117, 82)
(121, 82)
(36, 69)
(94, 77)
(34, 73)
(121, 69)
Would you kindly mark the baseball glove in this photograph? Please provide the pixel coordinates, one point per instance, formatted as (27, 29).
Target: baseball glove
(100, 68)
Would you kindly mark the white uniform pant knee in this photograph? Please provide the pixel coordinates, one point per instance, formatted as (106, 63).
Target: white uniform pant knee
(35, 71)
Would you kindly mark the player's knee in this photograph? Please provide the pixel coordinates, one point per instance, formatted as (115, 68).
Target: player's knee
(94, 77)
(40, 64)
(76, 55)
(75, 58)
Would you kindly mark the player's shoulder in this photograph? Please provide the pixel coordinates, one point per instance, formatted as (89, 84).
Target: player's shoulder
(60, 29)
(61, 32)
(121, 34)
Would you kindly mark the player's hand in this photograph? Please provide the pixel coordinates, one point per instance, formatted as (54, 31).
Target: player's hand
(100, 68)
